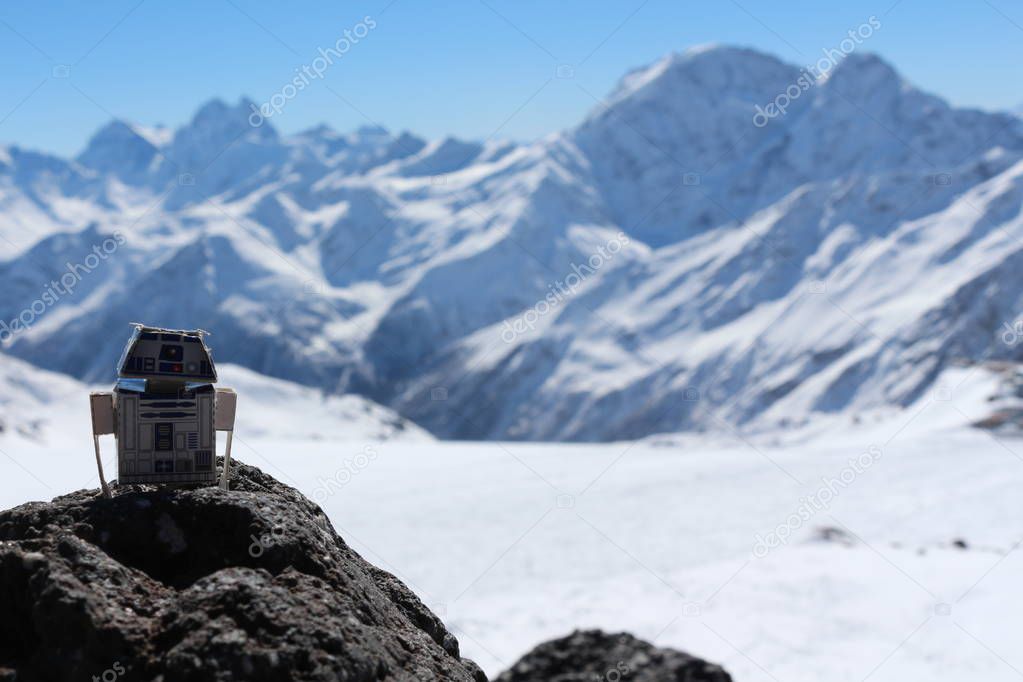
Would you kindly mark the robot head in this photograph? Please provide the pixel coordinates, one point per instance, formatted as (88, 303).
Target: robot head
(167, 355)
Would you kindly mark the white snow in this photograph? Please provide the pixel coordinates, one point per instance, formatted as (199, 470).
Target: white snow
(513, 543)
(322, 416)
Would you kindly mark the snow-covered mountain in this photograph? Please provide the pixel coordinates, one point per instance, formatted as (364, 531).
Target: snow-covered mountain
(49, 411)
(668, 264)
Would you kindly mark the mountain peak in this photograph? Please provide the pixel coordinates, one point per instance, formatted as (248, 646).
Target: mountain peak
(865, 71)
(371, 129)
(119, 148)
(218, 113)
(718, 52)
(373, 134)
(712, 69)
(216, 126)
(319, 130)
(212, 109)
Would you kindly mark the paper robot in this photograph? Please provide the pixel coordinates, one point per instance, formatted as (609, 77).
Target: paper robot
(164, 411)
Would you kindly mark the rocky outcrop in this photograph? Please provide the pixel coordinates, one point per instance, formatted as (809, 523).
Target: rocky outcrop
(203, 584)
(588, 655)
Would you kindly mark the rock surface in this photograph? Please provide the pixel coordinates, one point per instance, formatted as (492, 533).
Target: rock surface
(202, 584)
(588, 655)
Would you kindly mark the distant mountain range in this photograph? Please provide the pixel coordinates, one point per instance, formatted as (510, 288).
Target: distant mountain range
(671, 263)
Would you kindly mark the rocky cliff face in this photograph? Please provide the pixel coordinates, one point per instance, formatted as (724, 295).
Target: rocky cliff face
(588, 655)
(202, 584)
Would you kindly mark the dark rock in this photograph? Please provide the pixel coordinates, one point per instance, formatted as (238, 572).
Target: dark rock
(833, 534)
(202, 584)
(590, 655)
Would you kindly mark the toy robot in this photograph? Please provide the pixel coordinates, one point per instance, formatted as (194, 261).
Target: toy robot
(164, 411)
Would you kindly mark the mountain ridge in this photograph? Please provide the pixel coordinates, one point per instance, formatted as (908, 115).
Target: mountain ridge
(743, 289)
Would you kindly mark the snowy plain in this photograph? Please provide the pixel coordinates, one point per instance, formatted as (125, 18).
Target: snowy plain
(514, 543)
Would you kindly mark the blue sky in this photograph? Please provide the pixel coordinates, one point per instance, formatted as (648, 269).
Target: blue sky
(465, 67)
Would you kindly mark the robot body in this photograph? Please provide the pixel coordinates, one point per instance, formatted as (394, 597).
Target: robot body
(164, 410)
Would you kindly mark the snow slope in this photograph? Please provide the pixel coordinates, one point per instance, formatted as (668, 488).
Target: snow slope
(513, 543)
(281, 409)
(50, 411)
(666, 265)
